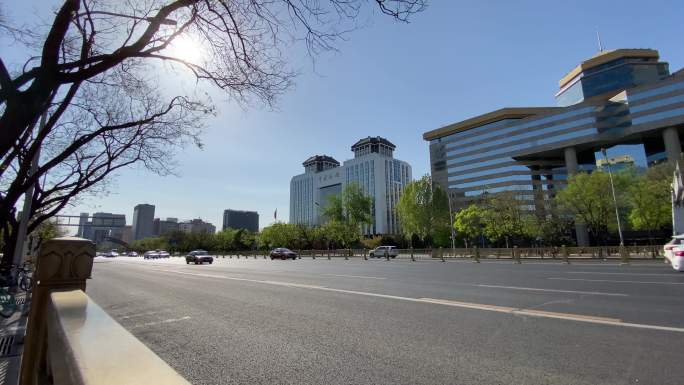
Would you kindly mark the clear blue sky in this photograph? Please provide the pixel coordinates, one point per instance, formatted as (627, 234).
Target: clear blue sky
(455, 60)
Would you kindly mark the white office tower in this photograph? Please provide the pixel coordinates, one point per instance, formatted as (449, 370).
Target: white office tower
(373, 168)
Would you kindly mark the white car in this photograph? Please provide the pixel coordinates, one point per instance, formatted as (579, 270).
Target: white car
(379, 252)
(674, 252)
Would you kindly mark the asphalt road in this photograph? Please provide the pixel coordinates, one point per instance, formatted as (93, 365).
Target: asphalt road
(401, 322)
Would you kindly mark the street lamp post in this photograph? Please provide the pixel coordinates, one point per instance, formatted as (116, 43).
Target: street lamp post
(451, 223)
(612, 188)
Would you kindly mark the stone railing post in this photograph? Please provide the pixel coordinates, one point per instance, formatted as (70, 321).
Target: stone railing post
(62, 264)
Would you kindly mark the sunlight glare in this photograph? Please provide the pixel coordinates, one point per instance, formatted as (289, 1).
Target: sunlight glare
(185, 48)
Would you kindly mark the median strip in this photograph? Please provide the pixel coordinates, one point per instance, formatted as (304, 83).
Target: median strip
(446, 302)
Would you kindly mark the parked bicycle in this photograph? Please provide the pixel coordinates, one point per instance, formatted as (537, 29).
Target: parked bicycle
(8, 304)
(24, 276)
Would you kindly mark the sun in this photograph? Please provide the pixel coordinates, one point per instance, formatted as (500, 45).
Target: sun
(186, 48)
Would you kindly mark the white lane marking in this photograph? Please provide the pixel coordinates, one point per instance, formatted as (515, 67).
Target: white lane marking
(555, 291)
(290, 284)
(166, 321)
(599, 272)
(139, 314)
(616, 281)
(354, 276)
(467, 305)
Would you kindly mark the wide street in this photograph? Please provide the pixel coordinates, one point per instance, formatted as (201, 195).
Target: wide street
(400, 322)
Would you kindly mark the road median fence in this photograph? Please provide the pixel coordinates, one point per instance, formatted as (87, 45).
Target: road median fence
(515, 254)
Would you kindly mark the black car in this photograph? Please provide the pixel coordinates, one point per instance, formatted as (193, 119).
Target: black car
(283, 253)
(199, 257)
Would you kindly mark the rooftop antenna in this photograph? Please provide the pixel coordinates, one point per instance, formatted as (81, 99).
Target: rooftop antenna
(598, 37)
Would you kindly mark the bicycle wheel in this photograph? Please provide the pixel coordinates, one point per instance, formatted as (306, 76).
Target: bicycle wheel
(8, 305)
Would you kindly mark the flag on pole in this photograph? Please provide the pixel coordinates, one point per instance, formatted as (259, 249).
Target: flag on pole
(275, 215)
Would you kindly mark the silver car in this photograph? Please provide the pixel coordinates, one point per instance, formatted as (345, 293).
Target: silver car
(382, 251)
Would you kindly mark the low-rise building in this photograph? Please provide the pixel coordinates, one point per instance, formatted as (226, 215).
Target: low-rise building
(196, 226)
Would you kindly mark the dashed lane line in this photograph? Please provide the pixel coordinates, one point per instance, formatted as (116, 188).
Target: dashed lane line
(166, 321)
(613, 273)
(466, 305)
(353, 276)
(616, 281)
(556, 290)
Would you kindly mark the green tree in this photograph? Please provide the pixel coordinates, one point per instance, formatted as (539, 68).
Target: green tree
(423, 211)
(470, 222)
(352, 209)
(279, 235)
(650, 201)
(340, 233)
(506, 219)
(589, 199)
(225, 239)
(147, 244)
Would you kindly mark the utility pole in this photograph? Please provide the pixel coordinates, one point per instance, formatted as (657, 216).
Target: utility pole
(612, 188)
(28, 200)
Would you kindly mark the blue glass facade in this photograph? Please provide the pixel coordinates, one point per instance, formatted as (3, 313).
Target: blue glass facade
(524, 150)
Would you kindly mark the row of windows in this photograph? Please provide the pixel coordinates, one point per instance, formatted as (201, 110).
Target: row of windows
(527, 145)
(657, 103)
(486, 127)
(470, 135)
(302, 210)
(656, 91)
(529, 134)
(364, 175)
(493, 171)
(658, 116)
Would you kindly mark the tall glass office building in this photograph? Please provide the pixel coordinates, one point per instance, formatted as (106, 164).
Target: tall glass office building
(620, 97)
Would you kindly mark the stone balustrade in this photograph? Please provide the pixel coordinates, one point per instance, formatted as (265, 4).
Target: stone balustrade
(70, 339)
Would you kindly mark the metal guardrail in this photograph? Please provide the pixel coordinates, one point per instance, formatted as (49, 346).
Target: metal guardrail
(70, 340)
(513, 253)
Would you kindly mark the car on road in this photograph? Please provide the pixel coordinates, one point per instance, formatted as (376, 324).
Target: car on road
(674, 252)
(156, 254)
(132, 254)
(283, 253)
(199, 257)
(380, 251)
(111, 254)
(152, 254)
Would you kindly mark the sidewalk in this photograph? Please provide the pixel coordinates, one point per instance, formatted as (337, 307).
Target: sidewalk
(12, 331)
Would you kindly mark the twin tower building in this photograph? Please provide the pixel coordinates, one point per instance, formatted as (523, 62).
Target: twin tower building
(374, 169)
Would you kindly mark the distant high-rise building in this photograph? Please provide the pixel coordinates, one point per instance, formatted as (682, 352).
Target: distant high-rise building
(162, 226)
(373, 167)
(197, 226)
(106, 225)
(143, 221)
(127, 235)
(238, 219)
(82, 225)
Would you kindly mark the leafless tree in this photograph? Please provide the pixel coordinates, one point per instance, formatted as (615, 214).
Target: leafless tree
(94, 78)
